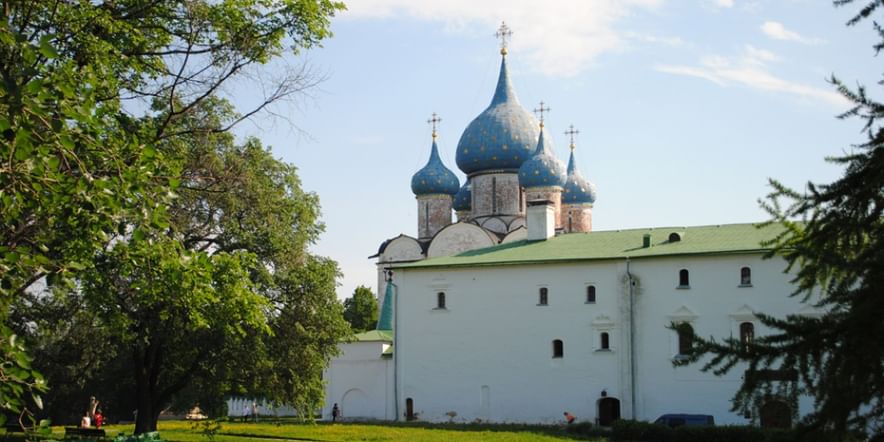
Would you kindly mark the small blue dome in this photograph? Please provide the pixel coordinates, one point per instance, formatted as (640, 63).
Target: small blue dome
(543, 169)
(502, 136)
(463, 200)
(434, 177)
(577, 189)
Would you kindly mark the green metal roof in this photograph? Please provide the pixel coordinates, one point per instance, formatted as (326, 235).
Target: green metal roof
(615, 244)
(374, 335)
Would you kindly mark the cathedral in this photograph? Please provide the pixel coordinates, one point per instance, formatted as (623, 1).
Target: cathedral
(517, 311)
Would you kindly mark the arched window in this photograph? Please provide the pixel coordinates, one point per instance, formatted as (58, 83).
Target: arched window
(544, 296)
(440, 300)
(747, 334)
(558, 348)
(590, 294)
(606, 341)
(685, 338)
(684, 279)
(745, 276)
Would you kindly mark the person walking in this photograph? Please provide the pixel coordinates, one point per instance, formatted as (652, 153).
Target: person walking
(335, 413)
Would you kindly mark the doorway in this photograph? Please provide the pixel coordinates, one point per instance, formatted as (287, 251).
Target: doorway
(609, 411)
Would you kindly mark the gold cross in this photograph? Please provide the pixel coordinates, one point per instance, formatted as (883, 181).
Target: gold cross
(540, 111)
(433, 120)
(571, 131)
(503, 33)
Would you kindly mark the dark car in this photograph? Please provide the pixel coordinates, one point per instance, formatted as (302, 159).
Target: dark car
(690, 420)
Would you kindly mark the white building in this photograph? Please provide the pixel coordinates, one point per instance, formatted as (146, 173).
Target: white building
(518, 312)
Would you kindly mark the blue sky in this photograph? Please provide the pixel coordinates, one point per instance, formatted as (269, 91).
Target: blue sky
(685, 108)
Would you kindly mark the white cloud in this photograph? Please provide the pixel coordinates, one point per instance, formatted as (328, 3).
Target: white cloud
(560, 38)
(777, 31)
(749, 69)
(724, 3)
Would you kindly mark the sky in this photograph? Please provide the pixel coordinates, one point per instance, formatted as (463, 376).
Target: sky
(685, 107)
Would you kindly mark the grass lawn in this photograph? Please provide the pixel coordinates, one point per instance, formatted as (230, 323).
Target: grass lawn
(182, 431)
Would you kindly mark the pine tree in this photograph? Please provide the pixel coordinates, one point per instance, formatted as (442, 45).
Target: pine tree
(833, 239)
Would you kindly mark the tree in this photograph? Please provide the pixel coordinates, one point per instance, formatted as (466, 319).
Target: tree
(78, 166)
(837, 252)
(361, 310)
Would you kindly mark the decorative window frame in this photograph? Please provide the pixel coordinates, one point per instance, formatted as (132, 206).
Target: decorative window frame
(603, 324)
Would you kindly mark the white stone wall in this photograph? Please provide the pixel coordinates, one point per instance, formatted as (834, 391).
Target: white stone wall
(488, 355)
(553, 194)
(360, 381)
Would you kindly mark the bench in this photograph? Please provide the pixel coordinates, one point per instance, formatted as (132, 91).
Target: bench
(77, 432)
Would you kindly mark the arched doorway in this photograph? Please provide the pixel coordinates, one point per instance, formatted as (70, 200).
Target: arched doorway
(609, 411)
(409, 409)
(776, 414)
(355, 404)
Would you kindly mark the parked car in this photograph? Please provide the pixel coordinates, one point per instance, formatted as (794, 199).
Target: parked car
(690, 420)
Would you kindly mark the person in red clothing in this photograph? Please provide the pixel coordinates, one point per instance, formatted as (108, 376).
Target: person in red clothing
(98, 419)
(569, 417)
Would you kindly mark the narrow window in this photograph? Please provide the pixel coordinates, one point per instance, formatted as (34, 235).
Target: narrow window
(684, 279)
(544, 298)
(747, 334)
(440, 300)
(494, 195)
(558, 348)
(745, 276)
(606, 341)
(685, 338)
(590, 294)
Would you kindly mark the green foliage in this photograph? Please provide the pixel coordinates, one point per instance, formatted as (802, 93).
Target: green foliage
(833, 239)
(85, 182)
(361, 310)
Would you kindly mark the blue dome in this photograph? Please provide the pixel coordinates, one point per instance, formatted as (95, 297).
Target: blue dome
(502, 136)
(543, 169)
(577, 189)
(434, 177)
(463, 200)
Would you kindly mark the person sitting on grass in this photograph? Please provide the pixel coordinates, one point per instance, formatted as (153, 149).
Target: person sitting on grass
(569, 418)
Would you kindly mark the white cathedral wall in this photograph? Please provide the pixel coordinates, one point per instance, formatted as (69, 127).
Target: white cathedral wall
(360, 382)
(488, 355)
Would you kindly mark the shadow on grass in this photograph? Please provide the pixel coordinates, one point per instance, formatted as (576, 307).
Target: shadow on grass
(579, 431)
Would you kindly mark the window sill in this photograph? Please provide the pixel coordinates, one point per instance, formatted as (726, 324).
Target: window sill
(680, 357)
(587, 302)
(543, 305)
(440, 309)
(744, 285)
(604, 350)
(683, 287)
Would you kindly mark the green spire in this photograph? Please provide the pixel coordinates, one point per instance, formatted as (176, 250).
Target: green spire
(385, 322)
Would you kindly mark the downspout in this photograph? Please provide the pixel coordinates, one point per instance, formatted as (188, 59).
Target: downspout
(395, 347)
(631, 283)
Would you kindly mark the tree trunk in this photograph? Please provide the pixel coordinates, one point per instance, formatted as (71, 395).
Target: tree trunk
(146, 368)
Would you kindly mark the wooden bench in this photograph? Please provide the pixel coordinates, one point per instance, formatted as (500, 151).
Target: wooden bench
(76, 432)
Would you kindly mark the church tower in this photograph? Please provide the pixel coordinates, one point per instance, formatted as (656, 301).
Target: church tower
(491, 150)
(434, 187)
(578, 197)
(543, 176)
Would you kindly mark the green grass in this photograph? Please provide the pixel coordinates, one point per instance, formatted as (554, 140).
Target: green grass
(178, 431)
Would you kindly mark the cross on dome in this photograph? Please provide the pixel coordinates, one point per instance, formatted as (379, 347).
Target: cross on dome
(571, 132)
(503, 33)
(433, 121)
(539, 111)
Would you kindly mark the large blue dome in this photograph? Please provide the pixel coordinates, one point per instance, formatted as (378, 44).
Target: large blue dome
(543, 169)
(463, 200)
(502, 136)
(577, 189)
(434, 178)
